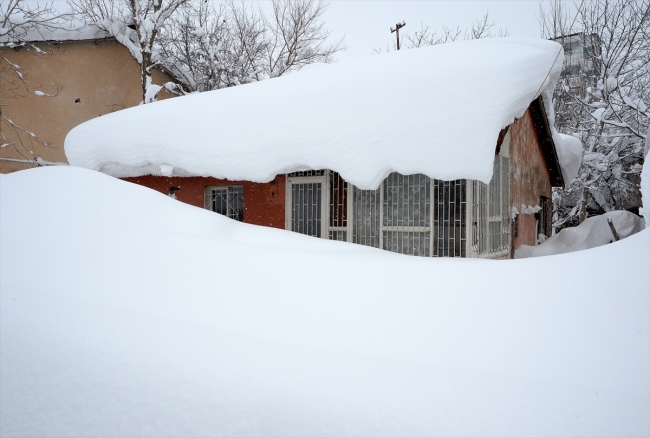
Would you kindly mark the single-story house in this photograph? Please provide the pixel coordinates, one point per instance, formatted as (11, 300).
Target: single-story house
(446, 151)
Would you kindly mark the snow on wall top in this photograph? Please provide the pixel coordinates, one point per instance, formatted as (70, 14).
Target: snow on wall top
(71, 31)
(435, 110)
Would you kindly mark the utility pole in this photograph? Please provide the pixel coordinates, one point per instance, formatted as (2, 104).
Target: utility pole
(398, 26)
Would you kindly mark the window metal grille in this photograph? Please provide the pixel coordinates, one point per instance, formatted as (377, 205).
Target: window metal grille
(226, 200)
(306, 173)
(449, 218)
(306, 210)
(406, 214)
(491, 212)
(338, 207)
(366, 214)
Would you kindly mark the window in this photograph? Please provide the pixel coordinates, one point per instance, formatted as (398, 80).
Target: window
(407, 214)
(491, 212)
(449, 218)
(406, 218)
(338, 208)
(543, 219)
(226, 200)
(306, 203)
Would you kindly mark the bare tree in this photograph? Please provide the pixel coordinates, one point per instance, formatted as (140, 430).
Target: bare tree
(20, 25)
(234, 44)
(602, 97)
(297, 36)
(137, 25)
(210, 48)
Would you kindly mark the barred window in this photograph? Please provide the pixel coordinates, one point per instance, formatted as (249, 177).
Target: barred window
(408, 214)
(406, 219)
(491, 212)
(226, 200)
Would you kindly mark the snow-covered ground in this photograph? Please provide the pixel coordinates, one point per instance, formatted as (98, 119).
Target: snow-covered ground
(127, 313)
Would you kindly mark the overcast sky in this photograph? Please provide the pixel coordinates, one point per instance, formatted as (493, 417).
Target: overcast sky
(366, 23)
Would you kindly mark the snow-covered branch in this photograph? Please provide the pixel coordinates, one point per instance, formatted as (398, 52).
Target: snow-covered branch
(215, 47)
(602, 97)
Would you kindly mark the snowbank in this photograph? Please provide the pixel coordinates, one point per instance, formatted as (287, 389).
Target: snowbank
(126, 313)
(593, 232)
(435, 110)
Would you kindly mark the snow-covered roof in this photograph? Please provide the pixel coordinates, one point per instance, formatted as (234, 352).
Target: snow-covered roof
(435, 110)
(70, 31)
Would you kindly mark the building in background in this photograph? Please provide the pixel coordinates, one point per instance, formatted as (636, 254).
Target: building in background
(581, 66)
(88, 73)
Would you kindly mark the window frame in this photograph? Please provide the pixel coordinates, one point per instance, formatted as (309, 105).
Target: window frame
(209, 197)
(288, 204)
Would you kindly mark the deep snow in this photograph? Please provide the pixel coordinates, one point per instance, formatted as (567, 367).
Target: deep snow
(435, 110)
(127, 313)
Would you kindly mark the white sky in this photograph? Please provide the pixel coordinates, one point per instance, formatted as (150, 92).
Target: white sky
(366, 23)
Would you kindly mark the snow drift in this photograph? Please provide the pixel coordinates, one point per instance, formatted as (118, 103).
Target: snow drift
(126, 313)
(593, 232)
(435, 110)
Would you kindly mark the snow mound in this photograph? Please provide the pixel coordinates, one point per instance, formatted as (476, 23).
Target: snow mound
(126, 313)
(435, 110)
(594, 231)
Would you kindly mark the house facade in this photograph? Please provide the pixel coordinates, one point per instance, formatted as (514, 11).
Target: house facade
(446, 151)
(88, 74)
(408, 214)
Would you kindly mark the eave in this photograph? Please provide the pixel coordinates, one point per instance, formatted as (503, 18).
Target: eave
(545, 137)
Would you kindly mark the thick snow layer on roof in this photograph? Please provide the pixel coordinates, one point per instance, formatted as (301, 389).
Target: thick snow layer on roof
(70, 31)
(569, 152)
(435, 110)
(126, 313)
(593, 232)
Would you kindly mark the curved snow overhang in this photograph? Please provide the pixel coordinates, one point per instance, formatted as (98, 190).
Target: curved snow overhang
(545, 137)
(436, 111)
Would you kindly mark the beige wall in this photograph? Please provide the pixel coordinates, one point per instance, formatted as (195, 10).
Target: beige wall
(102, 74)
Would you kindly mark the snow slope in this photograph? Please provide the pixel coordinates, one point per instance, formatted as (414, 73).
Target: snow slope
(435, 110)
(126, 313)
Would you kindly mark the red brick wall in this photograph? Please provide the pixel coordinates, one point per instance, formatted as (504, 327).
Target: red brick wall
(529, 175)
(263, 203)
